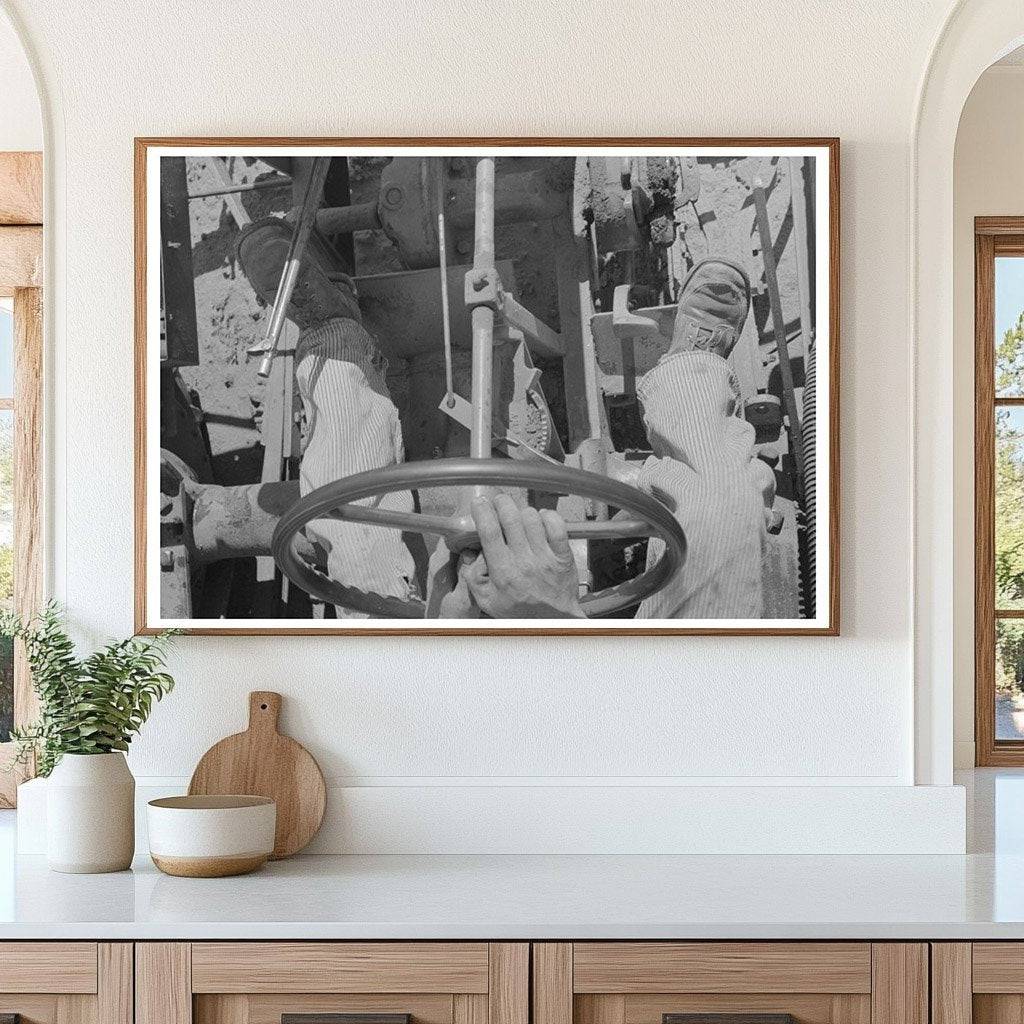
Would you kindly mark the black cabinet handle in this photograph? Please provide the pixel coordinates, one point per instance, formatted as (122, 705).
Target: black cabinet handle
(728, 1018)
(10, 1018)
(335, 1018)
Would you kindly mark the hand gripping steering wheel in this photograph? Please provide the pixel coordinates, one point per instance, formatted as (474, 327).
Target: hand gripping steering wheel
(648, 518)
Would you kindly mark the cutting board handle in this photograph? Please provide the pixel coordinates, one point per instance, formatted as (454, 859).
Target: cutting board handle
(264, 710)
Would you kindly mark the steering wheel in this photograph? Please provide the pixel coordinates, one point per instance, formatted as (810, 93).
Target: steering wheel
(649, 518)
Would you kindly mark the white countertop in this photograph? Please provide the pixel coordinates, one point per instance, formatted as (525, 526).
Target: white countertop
(532, 897)
(977, 896)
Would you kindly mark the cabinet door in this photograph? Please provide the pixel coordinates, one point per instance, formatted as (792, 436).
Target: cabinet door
(332, 983)
(736, 982)
(980, 982)
(66, 982)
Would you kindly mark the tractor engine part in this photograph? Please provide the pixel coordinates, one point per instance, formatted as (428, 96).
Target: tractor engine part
(764, 414)
(528, 189)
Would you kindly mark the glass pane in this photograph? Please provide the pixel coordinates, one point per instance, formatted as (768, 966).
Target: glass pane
(6, 348)
(1009, 679)
(1009, 324)
(6, 567)
(1009, 523)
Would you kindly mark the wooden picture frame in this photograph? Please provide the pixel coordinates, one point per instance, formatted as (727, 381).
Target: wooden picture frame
(21, 265)
(825, 185)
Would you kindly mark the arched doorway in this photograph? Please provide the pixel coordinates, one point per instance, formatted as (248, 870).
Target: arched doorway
(976, 34)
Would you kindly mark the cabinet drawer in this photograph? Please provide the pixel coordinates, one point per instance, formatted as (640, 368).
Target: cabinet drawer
(66, 982)
(270, 1009)
(262, 982)
(998, 967)
(48, 967)
(340, 967)
(634, 967)
(732, 982)
(981, 982)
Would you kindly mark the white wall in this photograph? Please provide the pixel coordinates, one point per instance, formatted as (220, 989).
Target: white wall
(988, 181)
(444, 713)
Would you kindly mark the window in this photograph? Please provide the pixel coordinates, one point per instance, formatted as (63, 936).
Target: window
(6, 510)
(20, 492)
(999, 490)
(21, 374)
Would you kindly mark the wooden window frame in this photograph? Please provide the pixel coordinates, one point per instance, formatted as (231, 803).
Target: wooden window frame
(21, 270)
(993, 236)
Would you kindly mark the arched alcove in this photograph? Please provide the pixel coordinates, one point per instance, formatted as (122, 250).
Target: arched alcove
(987, 182)
(975, 35)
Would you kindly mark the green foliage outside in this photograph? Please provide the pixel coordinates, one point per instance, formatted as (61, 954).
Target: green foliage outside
(6, 688)
(90, 705)
(1009, 511)
(6, 571)
(7, 461)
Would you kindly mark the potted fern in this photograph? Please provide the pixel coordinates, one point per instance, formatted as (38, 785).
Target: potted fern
(89, 710)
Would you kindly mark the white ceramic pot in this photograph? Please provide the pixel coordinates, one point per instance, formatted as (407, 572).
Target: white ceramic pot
(211, 836)
(90, 814)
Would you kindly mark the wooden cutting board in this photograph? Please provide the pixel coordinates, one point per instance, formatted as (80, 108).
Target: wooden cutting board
(262, 762)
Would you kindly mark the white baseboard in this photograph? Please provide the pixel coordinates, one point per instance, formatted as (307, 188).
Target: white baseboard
(602, 819)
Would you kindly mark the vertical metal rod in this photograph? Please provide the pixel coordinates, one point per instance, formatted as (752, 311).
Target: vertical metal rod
(446, 324)
(796, 441)
(583, 408)
(293, 262)
(483, 316)
(590, 361)
(798, 198)
(177, 279)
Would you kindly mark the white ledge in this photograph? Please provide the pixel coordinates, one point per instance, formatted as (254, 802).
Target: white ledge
(532, 897)
(599, 819)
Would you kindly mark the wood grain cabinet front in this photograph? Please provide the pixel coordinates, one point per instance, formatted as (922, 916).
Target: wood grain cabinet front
(332, 983)
(730, 983)
(66, 982)
(977, 983)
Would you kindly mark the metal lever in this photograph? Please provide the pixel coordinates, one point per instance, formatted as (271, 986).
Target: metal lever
(462, 412)
(344, 1018)
(627, 325)
(293, 261)
(728, 1018)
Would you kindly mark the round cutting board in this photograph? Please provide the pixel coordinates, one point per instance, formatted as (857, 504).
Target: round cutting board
(262, 762)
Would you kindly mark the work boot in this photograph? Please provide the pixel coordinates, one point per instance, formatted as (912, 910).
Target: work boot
(713, 306)
(320, 294)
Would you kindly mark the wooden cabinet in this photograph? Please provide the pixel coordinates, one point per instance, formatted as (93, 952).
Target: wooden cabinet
(980, 982)
(66, 982)
(260, 982)
(494, 983)
(651, 982)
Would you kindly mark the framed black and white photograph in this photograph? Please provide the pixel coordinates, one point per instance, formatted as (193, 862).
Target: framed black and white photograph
(487, 386)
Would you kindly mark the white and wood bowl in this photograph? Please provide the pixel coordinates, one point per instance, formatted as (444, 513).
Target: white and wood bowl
(211, 836)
